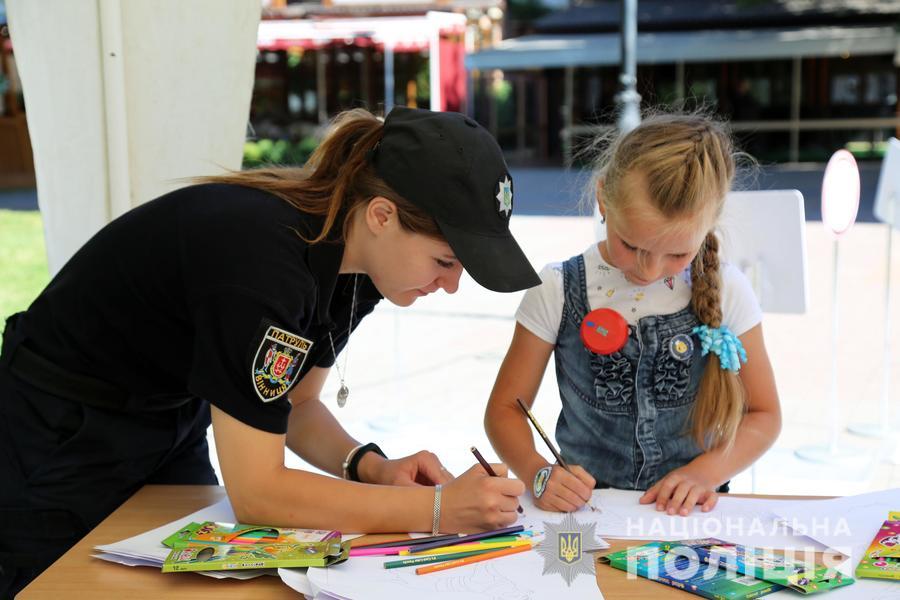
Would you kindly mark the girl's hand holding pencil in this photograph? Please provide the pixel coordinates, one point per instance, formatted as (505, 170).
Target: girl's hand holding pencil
(566, 490)
(577, 485)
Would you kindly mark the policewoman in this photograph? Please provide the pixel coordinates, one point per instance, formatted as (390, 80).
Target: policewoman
(228, 301)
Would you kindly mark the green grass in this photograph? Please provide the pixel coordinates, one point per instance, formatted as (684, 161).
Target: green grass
(23, 260)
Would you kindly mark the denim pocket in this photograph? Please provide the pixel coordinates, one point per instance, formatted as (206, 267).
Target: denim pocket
(613, 381)
(672, 376)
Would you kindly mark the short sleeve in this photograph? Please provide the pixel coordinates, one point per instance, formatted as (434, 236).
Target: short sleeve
(341, 337)
(740, 307)
(540, 311)
(246, 356)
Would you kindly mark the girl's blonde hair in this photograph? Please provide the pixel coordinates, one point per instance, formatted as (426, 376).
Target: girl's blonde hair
(687, 162)
(337, 180)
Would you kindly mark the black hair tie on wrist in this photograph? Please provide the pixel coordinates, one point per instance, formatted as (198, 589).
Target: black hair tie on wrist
(357, 456)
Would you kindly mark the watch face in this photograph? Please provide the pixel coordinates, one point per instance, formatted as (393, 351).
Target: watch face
(540, 481)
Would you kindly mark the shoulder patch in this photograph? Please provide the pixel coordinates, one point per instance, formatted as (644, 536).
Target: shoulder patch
(278, 361)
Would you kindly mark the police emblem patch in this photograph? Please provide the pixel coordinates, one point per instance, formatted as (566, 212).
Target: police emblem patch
(277, 363)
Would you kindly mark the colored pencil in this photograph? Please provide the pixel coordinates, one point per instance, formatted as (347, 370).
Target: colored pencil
(490, 471)
(466, 547)
(410, 541)
(550, 445)
(378, 551)
(469, 538)
(423, 560)
(460, 562)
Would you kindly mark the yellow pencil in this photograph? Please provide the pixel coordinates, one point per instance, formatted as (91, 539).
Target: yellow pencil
(467, 547)
(459, 562)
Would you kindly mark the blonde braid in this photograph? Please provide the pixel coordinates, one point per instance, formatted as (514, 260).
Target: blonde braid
(721, 397)
(706, 283)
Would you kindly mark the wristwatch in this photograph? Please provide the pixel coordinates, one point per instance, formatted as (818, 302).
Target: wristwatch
(355, 455)
(540, 480)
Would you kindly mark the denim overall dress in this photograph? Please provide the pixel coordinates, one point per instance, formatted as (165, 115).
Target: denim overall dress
(625, 416)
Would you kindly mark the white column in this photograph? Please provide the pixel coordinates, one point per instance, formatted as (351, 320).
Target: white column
(388, 78)
(796, 98)
(126, 98)
(434, 66)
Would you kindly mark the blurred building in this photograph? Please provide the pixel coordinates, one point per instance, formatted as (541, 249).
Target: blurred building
(317, 59)
(798, 78)
(16, 162)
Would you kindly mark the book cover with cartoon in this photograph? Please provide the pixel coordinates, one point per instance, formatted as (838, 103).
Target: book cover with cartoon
(225, 557)
(806, 578)
(236, 533)
(656, 563)
(882, 558)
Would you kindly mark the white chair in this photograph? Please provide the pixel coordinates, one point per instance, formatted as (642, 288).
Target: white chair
(764, 235)
(887, 210)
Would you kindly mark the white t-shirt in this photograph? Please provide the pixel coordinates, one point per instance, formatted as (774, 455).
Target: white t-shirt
(541, 308)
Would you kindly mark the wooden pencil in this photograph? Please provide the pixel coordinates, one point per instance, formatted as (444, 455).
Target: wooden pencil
(461, 562)
(490, 471)
(550, 445)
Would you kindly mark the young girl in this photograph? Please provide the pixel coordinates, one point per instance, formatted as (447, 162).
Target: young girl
(229, 301)
(668, 413)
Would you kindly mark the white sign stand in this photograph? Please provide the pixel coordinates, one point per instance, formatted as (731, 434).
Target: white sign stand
(886, 198)
(840, 202)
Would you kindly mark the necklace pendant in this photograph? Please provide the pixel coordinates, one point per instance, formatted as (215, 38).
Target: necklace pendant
(342, 396)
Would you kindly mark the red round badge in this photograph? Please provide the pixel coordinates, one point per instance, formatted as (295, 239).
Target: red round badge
(604, 331)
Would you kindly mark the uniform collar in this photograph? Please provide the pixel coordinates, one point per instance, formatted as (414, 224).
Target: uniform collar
(324, 260)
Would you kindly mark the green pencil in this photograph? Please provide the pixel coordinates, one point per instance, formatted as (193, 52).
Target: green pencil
(423, 560)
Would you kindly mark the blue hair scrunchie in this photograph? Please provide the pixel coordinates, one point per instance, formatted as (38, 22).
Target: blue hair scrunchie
(722, 342)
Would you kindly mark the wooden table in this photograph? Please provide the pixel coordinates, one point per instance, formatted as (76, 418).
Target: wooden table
(77, 575)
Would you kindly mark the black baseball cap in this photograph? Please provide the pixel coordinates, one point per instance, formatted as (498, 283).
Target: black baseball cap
(452, 168)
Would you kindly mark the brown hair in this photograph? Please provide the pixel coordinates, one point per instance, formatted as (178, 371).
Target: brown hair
(688, 164)
(337, 180)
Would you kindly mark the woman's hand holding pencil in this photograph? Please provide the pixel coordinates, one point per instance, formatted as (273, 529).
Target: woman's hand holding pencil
(475, 501)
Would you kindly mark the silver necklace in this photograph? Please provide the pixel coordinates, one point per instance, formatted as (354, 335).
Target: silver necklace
(344, 391)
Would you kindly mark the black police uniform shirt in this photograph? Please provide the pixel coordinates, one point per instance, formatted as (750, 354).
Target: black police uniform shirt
(209, 292)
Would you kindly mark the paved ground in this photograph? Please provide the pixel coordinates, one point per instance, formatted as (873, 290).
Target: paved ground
(420, 376)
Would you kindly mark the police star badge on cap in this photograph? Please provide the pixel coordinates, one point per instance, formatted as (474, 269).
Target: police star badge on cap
(505, 196)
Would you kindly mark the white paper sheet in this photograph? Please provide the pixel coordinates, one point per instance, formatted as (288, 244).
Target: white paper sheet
(149, 546)
(845, 524)
(747, 521)
(146, 549)
(516, 576)
(297, 580)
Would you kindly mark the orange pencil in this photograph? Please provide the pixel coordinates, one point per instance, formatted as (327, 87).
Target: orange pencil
(459, 562)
